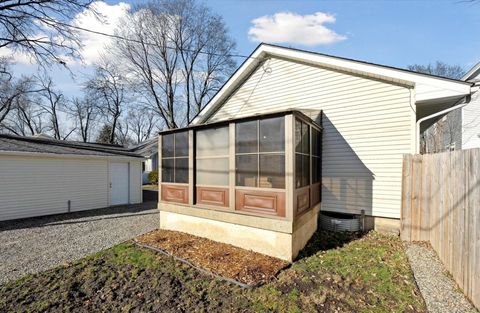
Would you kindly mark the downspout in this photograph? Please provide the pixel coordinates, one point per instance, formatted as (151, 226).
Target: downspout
(466, 100)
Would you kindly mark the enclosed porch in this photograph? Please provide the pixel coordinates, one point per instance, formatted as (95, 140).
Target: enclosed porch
(252, 182)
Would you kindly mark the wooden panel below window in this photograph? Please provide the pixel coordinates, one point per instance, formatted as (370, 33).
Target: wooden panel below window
(315, 193)
(260, 202)
(212, 196)
(303, 200)
(174, 193)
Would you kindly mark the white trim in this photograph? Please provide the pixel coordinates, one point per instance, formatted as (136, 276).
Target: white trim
(474, 71)
(427, 87)
(71, 156)
(417, 129)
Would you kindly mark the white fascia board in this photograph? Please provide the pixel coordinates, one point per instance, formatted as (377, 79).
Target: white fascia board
(426, 87)
(69, 156)
(473, 73)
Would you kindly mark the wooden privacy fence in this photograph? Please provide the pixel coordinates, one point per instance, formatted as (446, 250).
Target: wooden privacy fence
(441, 204)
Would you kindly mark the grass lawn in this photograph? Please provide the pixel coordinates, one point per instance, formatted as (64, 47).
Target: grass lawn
(150, 187)
(370, 274)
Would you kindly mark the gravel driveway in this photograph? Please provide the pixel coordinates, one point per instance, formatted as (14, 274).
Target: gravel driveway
(37, 244)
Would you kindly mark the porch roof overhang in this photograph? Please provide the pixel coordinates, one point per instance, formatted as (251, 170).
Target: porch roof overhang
(427, 87)
(295, 112)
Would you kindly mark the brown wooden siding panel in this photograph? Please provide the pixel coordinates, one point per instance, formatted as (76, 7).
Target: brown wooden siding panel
(213, 196)
(315, 193)
(260, 202)
(174, 193)
(303, 200)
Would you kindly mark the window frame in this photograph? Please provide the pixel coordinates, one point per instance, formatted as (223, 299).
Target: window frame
(174, 157)
(212, 157)
(259, 153)
(302, 154)
(317, 157)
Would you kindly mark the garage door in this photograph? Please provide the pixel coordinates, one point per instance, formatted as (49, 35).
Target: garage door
(119, 181)
(31, 186)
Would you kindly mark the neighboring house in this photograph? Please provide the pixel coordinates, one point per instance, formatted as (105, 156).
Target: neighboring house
(149, 150)
(40, 176)
(460, 128)
(248, 170)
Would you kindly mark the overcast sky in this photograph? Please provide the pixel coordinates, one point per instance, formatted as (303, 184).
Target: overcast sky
(396, 33)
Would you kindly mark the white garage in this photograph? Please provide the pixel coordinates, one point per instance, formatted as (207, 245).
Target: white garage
(41, 176)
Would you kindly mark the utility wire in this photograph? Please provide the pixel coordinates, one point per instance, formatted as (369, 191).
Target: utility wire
(148, 43)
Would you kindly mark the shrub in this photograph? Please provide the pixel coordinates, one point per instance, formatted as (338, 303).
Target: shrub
(153, 177)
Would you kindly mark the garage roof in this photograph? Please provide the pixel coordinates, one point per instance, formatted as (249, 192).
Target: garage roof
(11, 143)
(146, 148)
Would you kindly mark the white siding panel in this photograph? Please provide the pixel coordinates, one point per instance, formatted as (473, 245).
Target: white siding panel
(471, 123)
(135, 182)
(34, 186)
(367, 127)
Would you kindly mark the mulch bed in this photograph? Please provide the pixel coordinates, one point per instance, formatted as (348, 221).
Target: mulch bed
(248, 267)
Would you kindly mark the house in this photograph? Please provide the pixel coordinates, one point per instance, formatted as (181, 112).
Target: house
(459, 128)
(149, 150)
(291, 133)
(40, 176)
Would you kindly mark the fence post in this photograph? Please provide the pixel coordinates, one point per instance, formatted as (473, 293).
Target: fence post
(406, 212)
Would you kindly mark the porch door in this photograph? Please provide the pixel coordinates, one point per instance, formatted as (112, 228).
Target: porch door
(119, 183)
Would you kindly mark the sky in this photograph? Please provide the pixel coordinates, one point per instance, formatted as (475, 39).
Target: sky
(394, 33)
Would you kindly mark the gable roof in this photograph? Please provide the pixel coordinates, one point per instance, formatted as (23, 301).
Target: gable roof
(473, 74)
(11, 143)
(428, 87)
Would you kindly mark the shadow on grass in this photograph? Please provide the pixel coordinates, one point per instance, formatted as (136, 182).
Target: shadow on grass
(323, 240)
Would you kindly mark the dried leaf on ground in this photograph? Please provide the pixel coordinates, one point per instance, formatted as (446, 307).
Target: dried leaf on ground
(222, 259)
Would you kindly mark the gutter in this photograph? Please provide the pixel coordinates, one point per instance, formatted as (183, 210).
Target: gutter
(465, 100)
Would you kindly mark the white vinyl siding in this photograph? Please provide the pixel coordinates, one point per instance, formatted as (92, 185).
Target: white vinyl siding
(35, 186)
(471, 123)
(367, 127)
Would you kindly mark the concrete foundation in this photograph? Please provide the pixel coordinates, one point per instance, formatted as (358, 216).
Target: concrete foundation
(383, 224)
(282, 245)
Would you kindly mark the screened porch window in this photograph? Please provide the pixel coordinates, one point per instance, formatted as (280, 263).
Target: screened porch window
(316, 156)
(175, 158)
(212, 152)
(302, 154)
(260, 153)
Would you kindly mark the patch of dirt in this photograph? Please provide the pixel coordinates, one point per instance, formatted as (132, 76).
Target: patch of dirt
(119, 282)
(367, 273)
(225, 260)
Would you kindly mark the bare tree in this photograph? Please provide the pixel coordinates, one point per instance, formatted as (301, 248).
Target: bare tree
(178, 55)
(11, 89)
(25, 118)
(439, 69)
(142, 123)
(109, 89)
(84, 112)
(40, 29)
(123, 133)
(54, 107)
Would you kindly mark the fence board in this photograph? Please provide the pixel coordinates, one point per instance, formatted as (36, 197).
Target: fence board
(441, 204)
(405, 225)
